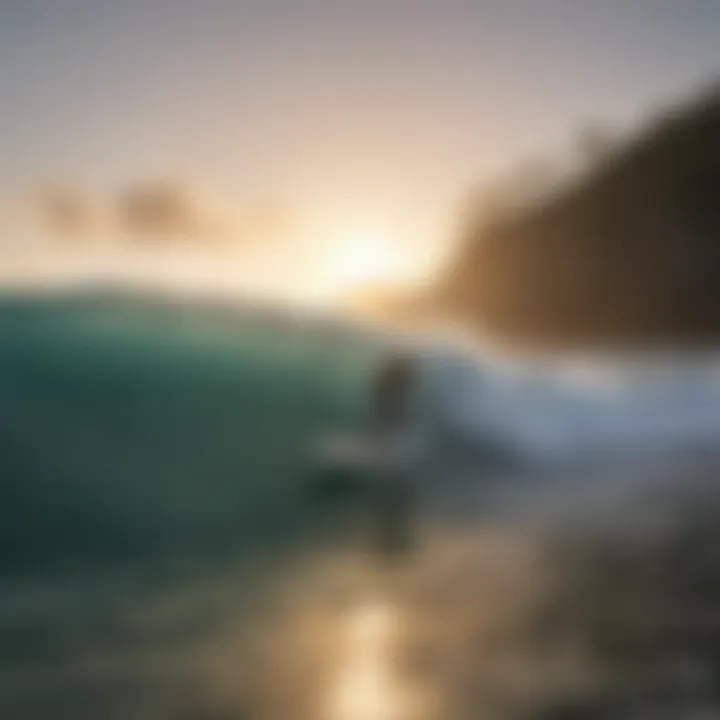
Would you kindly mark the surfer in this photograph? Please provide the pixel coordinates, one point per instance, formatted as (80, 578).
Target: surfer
(381, 464)
(393, 428)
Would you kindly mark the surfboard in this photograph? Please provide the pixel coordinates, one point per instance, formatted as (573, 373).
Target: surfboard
(367, 451)
(352, 450)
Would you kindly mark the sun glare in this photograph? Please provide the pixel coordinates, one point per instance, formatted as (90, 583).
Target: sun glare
(365, 687)
(362, 257)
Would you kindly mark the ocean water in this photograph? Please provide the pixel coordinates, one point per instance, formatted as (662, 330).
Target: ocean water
(161, 556)
(132, 428)
(152, 453)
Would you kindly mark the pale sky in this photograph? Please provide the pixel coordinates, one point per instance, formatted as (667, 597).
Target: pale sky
(365, 112)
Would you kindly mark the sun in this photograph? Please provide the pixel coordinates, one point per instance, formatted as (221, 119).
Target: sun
(363, 257)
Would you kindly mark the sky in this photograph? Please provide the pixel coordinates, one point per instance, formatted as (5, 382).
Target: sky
(364, 116)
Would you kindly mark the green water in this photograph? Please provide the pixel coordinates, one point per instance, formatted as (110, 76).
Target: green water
(131, 428)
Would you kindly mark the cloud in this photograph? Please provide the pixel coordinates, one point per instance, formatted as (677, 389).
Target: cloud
(145, 214)
(66, 212)
(169, 211)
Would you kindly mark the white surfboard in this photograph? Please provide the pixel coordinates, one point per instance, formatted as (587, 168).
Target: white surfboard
(365, 451)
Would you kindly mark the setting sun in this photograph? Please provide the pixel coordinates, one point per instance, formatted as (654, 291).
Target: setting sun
(363, 257)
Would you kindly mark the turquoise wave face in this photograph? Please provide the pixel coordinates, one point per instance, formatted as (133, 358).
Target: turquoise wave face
(129, 426)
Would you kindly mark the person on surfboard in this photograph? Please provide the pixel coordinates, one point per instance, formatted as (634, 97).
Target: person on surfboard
(382, 462)
(392, 425)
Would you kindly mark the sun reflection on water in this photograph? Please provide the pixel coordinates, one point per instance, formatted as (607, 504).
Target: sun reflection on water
(365, 688)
